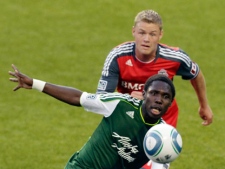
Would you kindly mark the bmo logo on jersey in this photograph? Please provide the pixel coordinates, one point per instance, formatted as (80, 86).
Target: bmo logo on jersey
(132, 86)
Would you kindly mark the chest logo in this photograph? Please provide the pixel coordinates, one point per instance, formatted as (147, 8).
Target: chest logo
(163, 72)
(130, 113)
(129, 63)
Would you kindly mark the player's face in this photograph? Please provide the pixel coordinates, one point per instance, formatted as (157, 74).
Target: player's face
(157, 100)
(147, 37)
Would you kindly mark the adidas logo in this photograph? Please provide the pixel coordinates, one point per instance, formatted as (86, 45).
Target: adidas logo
(129, 63)
(130, 113)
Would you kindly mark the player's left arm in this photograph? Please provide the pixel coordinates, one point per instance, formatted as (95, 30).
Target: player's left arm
(205, 111)
(190, 70)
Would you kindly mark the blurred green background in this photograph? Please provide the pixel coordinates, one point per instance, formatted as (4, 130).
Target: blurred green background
(66, 42)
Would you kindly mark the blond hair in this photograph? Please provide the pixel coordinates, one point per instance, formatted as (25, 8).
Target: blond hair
(148, 16)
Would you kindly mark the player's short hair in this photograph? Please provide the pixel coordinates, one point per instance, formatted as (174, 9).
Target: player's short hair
(149, 16)
(163, 78)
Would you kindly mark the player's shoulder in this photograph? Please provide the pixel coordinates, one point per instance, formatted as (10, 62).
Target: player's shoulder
(170, 49)
(126, 47)
(167, 47)
(171, 52)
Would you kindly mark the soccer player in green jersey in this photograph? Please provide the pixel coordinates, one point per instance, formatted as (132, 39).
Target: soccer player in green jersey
(117, 143)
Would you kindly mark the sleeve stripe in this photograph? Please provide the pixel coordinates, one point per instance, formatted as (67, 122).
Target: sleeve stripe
(178, 55)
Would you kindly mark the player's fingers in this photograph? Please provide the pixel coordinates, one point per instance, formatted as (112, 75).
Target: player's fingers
(16, 88)
(12, 73)
(207, 122)
(14, 67)
(13, 79)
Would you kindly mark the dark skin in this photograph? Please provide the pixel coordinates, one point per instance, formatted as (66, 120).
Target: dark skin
(157, 98)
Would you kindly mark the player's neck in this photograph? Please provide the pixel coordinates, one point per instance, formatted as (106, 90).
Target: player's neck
(145, 58)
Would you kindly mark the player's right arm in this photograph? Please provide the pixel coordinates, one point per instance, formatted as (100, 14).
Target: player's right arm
(110, 74)
(63, 93)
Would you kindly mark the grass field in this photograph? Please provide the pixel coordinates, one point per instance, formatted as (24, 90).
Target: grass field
(66, 42)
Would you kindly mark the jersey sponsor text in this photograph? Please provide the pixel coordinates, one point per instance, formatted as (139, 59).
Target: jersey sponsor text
(132, 86)
(127, 148)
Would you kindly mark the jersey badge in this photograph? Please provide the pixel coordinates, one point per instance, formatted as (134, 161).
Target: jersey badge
(91, 96)
(193, 69)
(129, 63)
(130, 113)
(163, 72)
(102, 85)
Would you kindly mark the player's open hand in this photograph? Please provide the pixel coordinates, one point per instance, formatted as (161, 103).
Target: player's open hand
(22, 80)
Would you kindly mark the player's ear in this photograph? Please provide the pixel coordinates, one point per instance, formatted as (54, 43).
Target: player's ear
(133, 30)
(161, 35)
(143, 94)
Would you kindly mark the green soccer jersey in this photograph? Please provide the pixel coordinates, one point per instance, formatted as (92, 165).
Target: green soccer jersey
(117, 143)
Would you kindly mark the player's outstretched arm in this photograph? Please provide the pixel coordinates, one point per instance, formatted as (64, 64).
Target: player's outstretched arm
(66, 94)
(205, 111)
